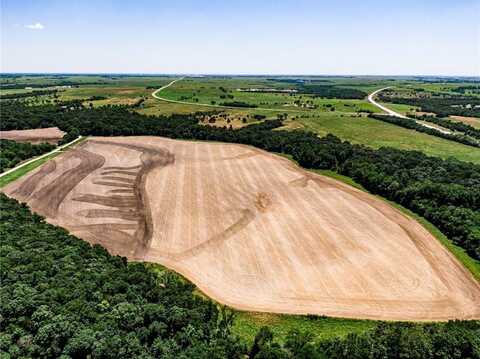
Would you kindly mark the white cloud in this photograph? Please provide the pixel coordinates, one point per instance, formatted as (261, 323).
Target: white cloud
(36, 26)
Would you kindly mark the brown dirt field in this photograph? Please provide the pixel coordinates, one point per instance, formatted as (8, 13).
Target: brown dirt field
(472, 121)
(251, 229)
(51, 135)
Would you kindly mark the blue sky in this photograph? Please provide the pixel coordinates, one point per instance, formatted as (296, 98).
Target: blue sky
(377, 37)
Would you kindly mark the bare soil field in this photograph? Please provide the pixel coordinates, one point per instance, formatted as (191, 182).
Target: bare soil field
(251, 229)
(472, 121)
(50, 135)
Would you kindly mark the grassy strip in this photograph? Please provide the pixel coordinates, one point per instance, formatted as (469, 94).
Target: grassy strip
(31, 166)
(24, 170)
(247, 325)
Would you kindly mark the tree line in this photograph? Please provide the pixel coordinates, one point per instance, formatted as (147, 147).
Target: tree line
(444, 191)
(453, 125)
(238, 104)
(331, 91)
(12, 152)
(27, 94)
(414, 125)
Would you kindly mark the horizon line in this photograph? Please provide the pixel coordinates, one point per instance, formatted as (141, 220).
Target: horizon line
(233, 74)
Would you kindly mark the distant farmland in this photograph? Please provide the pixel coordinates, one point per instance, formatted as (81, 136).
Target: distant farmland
(251, 229)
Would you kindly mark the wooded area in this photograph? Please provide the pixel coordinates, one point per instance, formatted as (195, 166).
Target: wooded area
(12, 153)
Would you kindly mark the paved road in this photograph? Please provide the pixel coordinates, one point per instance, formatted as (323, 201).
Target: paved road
(396, 114)
(155, 95)
(59, 148)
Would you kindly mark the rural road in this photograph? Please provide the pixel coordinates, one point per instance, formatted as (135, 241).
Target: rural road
(155, 95)
(396, 114)
(40, 157)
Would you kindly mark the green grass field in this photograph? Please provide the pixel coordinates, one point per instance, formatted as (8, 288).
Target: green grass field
(342, 121)
(376, 134)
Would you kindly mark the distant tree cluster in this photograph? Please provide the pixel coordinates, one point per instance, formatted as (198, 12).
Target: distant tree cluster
(16, 86)
(467, 89)
(12, 153)
(331, 91)
(443, 106)
(238, 104)
(27, 94)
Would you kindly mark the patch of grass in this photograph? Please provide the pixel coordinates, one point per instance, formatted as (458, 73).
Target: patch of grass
(31, 166)
(376, 134)
(247, 325)
(400, 108)
(24, 170)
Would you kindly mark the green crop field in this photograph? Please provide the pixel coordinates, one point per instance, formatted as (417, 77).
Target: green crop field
(378, 134)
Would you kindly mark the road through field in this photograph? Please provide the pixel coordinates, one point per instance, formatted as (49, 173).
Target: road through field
(59, 148)
(251, 229)
(371, 99)
(155, 95)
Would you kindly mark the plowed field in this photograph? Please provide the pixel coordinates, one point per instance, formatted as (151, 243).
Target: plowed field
(51, 135)
(251, 229)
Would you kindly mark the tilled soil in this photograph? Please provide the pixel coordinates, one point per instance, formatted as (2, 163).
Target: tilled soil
(251, 229)
(50, 135)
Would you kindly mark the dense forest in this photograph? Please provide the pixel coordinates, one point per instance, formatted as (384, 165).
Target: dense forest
(63, 298)
(443, 106)
(414, 125)
(330, 91)
(12, 153)
(319, 88)
(445, 192)
(238, 104)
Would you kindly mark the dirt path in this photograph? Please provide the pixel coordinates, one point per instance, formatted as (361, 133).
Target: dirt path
(251, 229)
